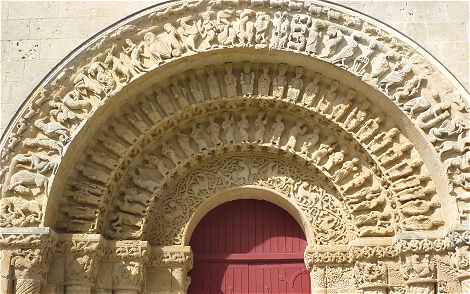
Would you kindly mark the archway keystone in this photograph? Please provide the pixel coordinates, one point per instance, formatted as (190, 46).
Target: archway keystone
(350, 124)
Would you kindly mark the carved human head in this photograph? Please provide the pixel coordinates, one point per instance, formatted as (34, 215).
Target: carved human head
(246, 67)
(228, 67)
(299, 71)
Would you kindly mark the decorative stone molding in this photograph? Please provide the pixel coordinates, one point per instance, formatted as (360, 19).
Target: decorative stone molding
(127, 139)
(313, 29)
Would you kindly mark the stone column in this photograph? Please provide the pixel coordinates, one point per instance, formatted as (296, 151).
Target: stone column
(178, 261)
(5, 274)
(82, 256)
(371, 277)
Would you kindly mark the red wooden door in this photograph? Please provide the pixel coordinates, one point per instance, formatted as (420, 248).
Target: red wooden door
(248, 246)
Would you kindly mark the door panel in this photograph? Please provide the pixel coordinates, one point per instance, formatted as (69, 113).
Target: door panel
(248, 246)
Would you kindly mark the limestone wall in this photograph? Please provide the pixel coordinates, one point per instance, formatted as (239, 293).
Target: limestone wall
(36, 35)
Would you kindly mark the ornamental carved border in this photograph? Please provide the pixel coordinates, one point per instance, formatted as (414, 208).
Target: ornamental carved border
(41, 133)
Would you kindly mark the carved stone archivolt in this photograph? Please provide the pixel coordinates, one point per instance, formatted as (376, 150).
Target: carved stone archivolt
(360, 131)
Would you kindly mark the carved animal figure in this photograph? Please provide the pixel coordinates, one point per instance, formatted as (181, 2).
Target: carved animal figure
(397, 76)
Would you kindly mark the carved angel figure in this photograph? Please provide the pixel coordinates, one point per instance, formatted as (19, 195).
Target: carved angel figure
(280, 81)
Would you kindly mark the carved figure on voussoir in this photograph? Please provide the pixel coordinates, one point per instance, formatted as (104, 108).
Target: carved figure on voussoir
(280, 30)
(347, 169)
(124, 72)
(207, 30)
(315, 37)
(449, 128)
(261, 25)
(403, 169)
(260, 128)
(433, 116)
(52, 129)
(63, 114)
(228, 127)
(347, 52)
(243, 129)
(95, 80)
(213, 83)
(420, 222)
(185, 143)
(214, 132)
(264, 81)
(342, 104)
(276, 130)
(44, 143)
(383, 140)
(322, 152)
(311, 91)
(334, 160)
(369, 129)
(155, 49)
(189, 32)
(394, 154)
(334, 39)
(19, 212)
(379, 66)
(365, 194)
(230, 80)
(357, 182)
(199, 136)
(246, 27)
(169, 152)
(357, 116)
(135, 56)
(295, 85)
(180, 93)
(247, 80)
(298, 26)
(227, 33)
(417, 105)
(409, 90)
(397, 76)
(75, 101)
(361, 62)
(324, 106)
(280, 81)
(418, 207)
(196, 88)
(295, 132)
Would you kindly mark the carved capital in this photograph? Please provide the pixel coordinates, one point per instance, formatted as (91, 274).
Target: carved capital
(82, 256)
(173, 256)
(129, 250)
(370, 275)
(418, 269)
